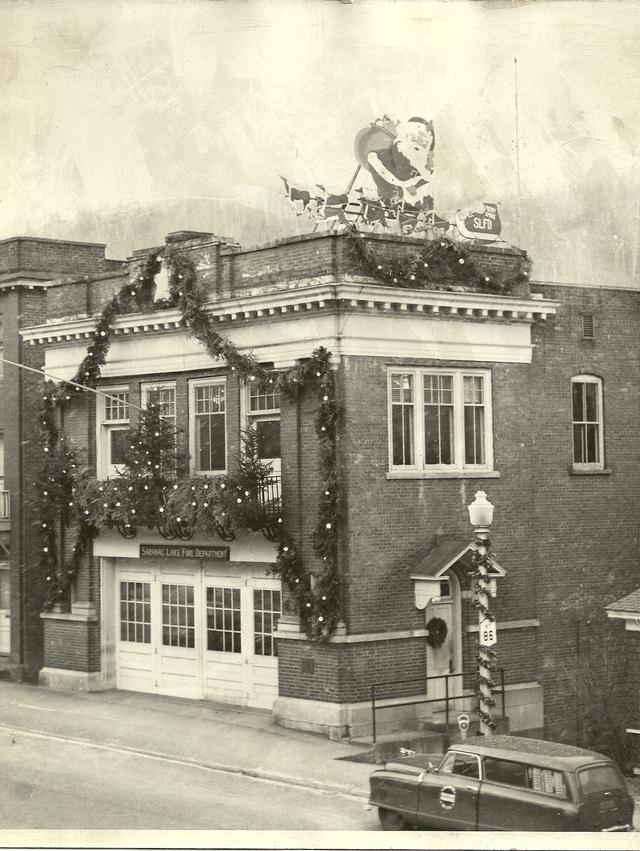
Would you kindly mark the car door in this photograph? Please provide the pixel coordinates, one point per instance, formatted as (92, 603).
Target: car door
(516, 796)
(448, 796)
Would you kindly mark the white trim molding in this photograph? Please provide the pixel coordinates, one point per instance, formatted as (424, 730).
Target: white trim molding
(348, 318)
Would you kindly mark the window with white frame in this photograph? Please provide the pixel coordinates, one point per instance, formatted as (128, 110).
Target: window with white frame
(207, 421)
(164, 396)
(113, 424)
(440, 420)
(586, 405)
(263, 413)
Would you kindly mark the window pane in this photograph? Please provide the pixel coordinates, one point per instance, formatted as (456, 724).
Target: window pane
(577, 399)
(267, 611)
(135, 617)
(591, 399)
(402, 434)
(119, 445)
(438, 434)
(263, 397)
(177, 613)
(473, 435)
(446, 435)
(592, 444)
(210, 441)
(579, 444)
(223, 620)
(268, 432)
(116, 406)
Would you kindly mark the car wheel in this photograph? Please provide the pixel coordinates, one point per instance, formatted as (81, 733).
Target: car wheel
(391, 820)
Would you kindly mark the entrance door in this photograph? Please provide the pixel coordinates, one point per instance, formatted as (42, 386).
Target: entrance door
(5, 609)
(446, 658)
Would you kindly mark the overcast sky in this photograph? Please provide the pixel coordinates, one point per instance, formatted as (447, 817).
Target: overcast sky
(124, 120)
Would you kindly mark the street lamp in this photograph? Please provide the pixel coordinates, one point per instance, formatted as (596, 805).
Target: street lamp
(481, 517)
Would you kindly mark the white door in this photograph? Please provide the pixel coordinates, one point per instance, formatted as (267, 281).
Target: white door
(240, 662)
(445, 659)
(186, 632)
(5, 609)
(157, 645)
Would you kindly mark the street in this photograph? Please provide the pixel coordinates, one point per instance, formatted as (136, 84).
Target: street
(53, 784)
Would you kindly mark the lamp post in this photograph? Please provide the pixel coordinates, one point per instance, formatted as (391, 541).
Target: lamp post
(481, 517)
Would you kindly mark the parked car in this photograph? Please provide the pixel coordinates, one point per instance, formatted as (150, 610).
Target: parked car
(503, 783)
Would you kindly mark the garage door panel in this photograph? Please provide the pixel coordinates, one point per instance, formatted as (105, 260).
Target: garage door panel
(196, 633)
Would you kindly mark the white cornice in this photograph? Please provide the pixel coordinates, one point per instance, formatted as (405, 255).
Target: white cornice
(350, 296)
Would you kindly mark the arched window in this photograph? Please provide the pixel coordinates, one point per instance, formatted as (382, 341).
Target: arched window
(588, 437)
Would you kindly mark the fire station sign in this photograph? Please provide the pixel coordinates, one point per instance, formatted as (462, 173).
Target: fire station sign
(184, 551)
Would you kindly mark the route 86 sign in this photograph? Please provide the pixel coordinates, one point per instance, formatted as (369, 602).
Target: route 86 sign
(488, 632)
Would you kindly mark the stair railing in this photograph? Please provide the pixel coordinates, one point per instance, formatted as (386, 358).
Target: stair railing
(447, 698)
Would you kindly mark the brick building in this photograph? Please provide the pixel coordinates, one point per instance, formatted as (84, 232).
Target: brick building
(28, 266)
(531, 396)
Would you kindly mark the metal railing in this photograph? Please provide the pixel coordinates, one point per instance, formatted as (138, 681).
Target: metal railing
(5, 505)
(447, 698)
(271, 497)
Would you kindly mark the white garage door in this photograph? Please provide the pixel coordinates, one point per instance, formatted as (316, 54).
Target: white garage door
(191, 632)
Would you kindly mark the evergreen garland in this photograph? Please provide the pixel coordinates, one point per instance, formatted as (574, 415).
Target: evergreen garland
(481, 562)
(147, 494)
(440, 264)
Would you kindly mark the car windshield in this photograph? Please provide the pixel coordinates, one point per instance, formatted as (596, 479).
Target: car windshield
(599, 778)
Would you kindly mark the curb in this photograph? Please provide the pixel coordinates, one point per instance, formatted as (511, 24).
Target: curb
(256, 774)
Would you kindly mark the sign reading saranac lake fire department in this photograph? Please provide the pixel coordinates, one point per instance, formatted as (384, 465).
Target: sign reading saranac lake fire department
(182, 551)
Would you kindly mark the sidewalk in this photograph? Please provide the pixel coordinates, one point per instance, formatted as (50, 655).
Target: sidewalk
(227, 738)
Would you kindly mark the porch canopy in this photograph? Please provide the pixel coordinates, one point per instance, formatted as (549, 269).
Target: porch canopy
(626, 609)
(431, 569)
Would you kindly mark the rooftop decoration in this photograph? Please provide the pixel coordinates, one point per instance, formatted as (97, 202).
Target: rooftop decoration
(396, 159)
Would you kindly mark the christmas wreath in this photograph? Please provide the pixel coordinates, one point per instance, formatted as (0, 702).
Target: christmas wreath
(436, 632)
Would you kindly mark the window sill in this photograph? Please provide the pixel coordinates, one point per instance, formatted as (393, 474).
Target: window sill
(596, 471)
(443, 474)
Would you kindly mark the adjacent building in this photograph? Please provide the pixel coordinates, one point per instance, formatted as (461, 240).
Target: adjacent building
(28, 267)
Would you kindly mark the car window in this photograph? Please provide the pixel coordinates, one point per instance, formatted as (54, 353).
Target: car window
(599, 778)
(546, 780)
(465, 764)
(502, 771)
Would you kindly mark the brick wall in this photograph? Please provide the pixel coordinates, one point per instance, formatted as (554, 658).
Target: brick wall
(225, 269)
(72, 645)
(50, 255)
(343, 673)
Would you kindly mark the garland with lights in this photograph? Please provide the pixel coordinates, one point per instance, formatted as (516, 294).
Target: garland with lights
(440, 264)
(481, 561)
(71, 500)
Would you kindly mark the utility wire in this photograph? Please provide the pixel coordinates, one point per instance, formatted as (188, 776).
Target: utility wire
(84, 387)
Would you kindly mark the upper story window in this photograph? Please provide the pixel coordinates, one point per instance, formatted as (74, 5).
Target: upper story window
(440, 420)
(263, 412)
(207, 426)
(113, 424)
(586, 404)
(164, 396)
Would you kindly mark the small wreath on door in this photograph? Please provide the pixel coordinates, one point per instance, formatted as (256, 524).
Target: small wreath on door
(437, 631)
